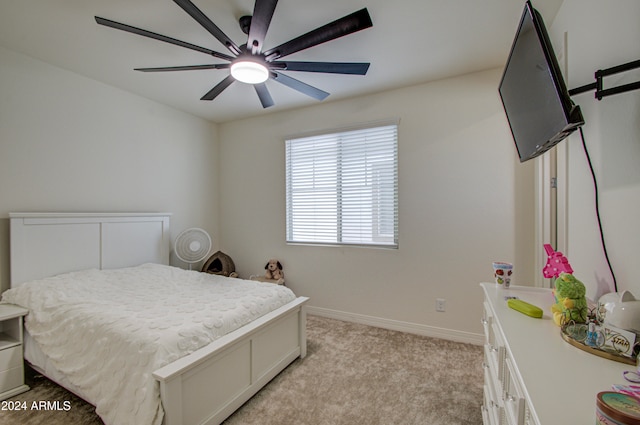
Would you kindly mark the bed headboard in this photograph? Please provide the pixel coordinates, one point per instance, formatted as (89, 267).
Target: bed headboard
(46, 244)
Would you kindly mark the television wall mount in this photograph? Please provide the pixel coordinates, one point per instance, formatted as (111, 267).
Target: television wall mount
(600, 74)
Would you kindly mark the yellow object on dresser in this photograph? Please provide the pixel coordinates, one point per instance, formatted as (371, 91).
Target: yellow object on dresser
(525, 308)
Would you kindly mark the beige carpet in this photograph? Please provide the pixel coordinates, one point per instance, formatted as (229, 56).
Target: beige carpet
(353, 374)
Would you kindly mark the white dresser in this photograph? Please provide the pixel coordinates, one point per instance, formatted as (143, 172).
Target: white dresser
(531, 375)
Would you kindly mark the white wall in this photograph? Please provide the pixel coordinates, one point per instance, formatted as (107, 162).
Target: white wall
(68, 143)
(601, 35)
(463, 202)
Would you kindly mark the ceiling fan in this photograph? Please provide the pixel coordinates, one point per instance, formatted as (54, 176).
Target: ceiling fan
(250, 62)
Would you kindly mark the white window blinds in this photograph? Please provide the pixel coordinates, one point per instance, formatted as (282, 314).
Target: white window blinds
(342, 188)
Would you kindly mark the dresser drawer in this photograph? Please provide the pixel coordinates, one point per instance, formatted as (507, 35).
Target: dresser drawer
(490, 408)
(514, 402)
(487, 321)
(495, 353)
(10, 358)
(12, 378)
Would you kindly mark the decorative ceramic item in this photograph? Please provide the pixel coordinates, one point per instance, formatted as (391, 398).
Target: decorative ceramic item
(613, 408)
(622, 313)
(502, 272)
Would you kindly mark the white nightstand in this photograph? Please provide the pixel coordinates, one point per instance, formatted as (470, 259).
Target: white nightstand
(11, 361)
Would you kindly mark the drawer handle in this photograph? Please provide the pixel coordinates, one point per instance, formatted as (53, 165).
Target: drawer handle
(484, 321)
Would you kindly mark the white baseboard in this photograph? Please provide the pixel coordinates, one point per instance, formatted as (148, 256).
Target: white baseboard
(395, 325)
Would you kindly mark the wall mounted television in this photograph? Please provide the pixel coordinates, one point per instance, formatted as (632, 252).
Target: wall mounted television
(533, 92)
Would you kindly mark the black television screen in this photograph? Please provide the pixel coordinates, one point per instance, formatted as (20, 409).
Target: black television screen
(533, 92)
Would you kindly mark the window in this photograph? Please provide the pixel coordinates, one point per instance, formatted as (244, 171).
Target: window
(342, 188)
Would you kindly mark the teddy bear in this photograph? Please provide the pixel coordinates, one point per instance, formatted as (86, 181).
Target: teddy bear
(274, 271)
(571, 302)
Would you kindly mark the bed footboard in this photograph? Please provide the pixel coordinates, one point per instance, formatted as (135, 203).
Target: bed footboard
(208, 385)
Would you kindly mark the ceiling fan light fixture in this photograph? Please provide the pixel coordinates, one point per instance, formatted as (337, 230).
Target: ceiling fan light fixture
(250, 72)
(250, 64)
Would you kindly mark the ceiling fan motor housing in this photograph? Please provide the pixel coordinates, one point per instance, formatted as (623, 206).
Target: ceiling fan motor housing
(245, 23)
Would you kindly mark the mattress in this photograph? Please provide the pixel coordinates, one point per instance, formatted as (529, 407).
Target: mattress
(105, 331)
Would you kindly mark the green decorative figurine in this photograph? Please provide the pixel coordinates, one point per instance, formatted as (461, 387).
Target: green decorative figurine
(571, 302)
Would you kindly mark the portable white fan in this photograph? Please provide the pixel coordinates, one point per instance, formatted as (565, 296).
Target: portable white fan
(192, 245)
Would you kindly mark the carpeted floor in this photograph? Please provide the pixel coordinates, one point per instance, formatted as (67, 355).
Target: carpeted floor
(353, 374)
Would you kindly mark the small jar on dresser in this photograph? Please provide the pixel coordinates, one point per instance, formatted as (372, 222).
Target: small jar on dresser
(11, 360)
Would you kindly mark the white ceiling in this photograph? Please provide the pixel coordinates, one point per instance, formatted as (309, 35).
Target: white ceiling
(411, 42)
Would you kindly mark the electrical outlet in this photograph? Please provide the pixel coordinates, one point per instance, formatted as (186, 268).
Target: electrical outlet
(440, 304)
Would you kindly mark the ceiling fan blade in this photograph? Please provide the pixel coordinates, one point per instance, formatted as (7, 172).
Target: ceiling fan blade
(145, 33)
(262, 13)
(264, 95)
(185, 68)
(214, 92)
(203, 20)
(355, 68)
(347, 25)
(298, 85)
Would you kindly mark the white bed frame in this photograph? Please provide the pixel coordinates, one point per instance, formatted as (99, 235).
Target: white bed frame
(204, 387)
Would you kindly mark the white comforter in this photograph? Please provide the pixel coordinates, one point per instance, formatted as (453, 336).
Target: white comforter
(108, 330)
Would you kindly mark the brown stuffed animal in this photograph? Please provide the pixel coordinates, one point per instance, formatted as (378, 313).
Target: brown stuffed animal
(274, 270)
